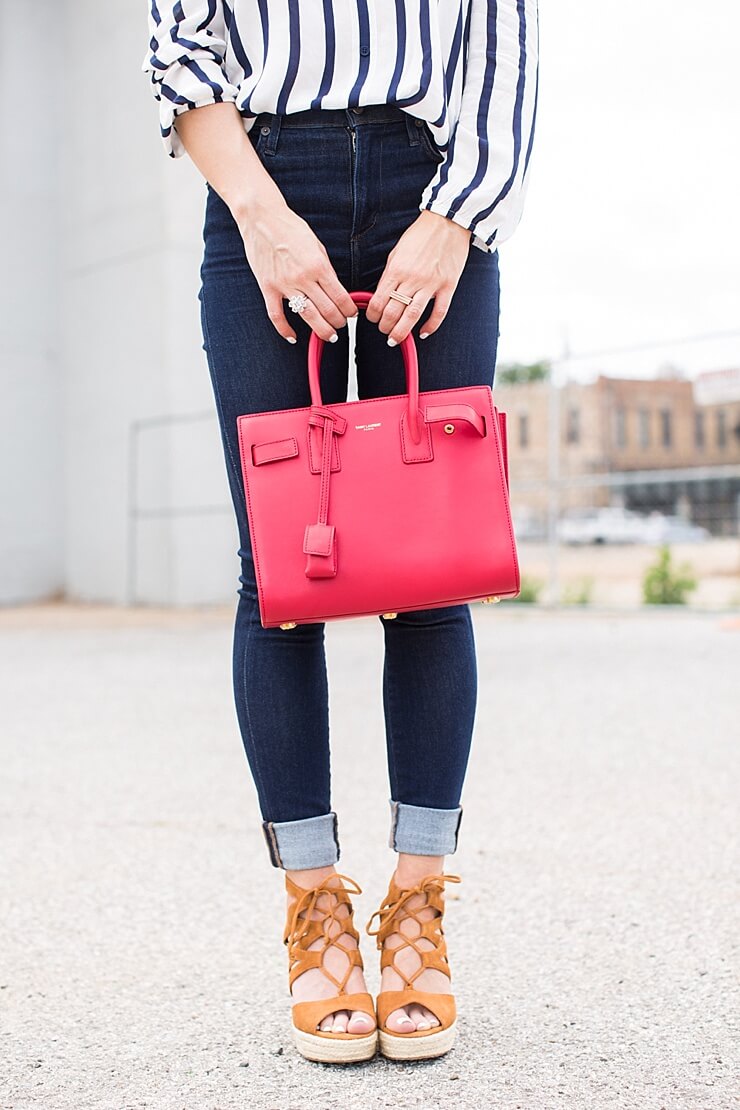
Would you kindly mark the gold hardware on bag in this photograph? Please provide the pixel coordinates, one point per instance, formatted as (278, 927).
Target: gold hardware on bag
(389, 616)
(288, 624)
(490, 600)
(449, 428)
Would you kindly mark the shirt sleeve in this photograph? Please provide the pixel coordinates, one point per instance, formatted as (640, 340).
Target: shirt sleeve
(481, 182)
(186, 61)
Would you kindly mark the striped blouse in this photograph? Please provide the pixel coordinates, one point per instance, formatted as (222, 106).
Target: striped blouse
(468, 67)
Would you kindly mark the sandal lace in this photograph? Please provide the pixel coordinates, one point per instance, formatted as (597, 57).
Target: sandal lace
(388, 915)
(302, 929)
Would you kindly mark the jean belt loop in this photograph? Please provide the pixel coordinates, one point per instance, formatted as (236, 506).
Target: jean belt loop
(271, 146)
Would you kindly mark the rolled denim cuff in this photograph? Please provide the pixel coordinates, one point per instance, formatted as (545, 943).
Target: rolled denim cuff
(298, 845)
(422, 831)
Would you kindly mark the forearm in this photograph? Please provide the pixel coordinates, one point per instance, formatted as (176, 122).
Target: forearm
(482, 181)
(214, 138)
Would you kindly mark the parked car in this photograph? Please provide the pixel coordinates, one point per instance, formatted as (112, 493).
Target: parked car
(610, 524)
(660, 528)
(613, 524)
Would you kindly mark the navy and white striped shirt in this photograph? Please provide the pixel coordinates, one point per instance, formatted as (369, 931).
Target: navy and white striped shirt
(468, 67)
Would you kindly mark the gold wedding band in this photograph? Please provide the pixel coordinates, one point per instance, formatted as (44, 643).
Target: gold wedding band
(400, 297)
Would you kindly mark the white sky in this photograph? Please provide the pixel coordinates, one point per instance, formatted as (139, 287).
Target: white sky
(631, 231)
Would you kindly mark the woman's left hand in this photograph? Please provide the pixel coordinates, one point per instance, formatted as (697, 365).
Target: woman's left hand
(426, 262)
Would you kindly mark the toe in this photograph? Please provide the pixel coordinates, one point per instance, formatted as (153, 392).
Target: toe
(399, 1022)
(340, 1022)
(417, 1015)
(326, 1024)
(360, 1023)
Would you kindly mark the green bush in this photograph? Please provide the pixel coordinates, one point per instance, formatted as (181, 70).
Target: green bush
(578, 593)
(665, 584)
(529, 591)
(511, 373)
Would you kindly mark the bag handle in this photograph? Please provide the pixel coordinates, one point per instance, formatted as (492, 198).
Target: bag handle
(410, 361)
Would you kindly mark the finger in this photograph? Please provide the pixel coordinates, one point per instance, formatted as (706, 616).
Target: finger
(315, 320)
(409, 317)
(390, 316)
(377, 304)
(442, 299)
(339, 295)
(326, 304)
(386, 310)
(276, 313)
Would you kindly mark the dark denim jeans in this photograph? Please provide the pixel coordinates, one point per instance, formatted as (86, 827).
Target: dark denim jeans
(356, 177)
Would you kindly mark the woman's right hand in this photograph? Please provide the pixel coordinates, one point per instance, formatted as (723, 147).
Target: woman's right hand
(287, 257)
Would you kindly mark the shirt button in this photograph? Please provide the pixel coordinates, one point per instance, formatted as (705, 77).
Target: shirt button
(364, 49)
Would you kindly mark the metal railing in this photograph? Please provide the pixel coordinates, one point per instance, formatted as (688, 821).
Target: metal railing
(135, 513)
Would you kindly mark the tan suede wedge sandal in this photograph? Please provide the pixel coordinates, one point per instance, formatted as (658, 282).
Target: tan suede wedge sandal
(301, 931)
(422, 1044)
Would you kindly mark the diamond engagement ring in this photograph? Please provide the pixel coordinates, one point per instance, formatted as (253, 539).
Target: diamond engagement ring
(400, 297)
(298, 302)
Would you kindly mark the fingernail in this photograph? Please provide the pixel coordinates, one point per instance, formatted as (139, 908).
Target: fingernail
(423, 334)
(290, 338)
(333, 338)
(391, 342)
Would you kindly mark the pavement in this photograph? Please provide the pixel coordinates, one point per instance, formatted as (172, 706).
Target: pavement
(594, 939)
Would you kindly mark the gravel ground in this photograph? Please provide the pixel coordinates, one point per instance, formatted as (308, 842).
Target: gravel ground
(594, 938)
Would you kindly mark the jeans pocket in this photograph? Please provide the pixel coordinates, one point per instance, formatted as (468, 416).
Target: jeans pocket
(429, 145)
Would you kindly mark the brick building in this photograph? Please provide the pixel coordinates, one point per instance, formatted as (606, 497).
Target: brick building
(627, 425)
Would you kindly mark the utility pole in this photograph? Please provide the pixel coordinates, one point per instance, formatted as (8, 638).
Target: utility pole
(553, 477)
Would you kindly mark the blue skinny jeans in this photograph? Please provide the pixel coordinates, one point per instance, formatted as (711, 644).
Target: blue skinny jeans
(356, 176)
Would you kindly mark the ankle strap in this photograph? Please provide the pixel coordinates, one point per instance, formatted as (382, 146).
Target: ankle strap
(397, 899)
(306, 899)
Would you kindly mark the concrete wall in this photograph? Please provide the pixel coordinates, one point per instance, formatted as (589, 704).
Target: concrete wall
(31, 461)
(130, 338)
(100, 328)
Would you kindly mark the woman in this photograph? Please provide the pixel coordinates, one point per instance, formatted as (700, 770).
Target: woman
(381, 146)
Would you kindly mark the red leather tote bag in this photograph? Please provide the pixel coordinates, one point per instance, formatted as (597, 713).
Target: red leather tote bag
(373, 507)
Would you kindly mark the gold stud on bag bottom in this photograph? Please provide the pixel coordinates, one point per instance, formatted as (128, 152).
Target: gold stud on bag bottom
(392, 616)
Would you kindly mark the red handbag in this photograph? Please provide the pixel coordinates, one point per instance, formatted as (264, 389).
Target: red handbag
(374, 507)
